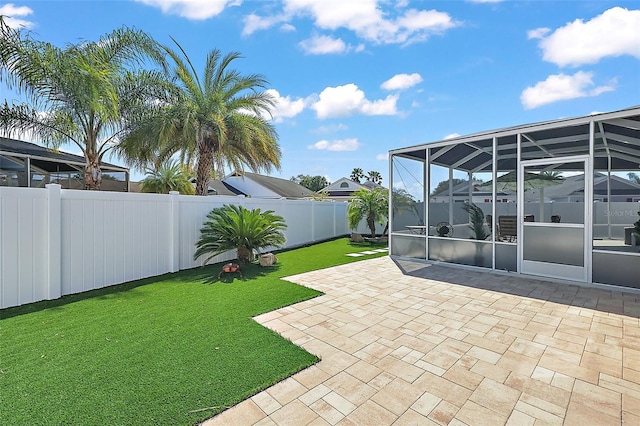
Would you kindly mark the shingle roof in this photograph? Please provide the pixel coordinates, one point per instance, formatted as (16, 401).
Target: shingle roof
(283, 187)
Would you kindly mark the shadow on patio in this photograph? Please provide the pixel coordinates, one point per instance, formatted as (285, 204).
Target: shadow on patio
(409, 343)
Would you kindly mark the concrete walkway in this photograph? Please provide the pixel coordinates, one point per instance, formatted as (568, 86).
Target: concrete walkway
(406, 343)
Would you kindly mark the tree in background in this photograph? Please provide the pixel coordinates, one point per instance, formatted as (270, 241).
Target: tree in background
(217, 117)
(357, 175)
(168, 177)
(634, 177)
(233, 227)
(78, 94)
(374, 177)
(444, 185)
(314, 183)
(370, 205)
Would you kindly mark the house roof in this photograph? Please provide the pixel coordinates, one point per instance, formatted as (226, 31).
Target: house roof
(218, 187)
(343, 186)
(282, 187)
(48, 159)
(574, 185)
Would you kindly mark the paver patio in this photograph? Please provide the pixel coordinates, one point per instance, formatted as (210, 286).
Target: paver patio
(407, 343)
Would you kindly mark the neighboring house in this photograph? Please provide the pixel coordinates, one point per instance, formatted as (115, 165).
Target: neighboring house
(461, 194)
(572, 190)
(26, 164)
(343, 189)
(259, 186)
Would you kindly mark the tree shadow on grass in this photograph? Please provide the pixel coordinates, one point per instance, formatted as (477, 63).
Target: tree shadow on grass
(207, 274)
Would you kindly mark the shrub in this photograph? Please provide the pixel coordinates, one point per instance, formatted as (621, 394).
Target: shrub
(234, 227)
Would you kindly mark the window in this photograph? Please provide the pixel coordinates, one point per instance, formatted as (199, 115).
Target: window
(344, 185)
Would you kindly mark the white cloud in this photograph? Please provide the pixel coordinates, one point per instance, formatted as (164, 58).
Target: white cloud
(285, 107)
(332, 128)
(13, 16)
(322, 45)
(253, 23)
(192, 9)
(351, 144)
(365, 18)
(613, 33)
(384, 156)
(537, 33)
(402, 81)
(343, 101)
(287, 27)
(452, 135)
(562, 87)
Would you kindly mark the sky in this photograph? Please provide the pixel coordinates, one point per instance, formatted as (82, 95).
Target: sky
(354, 79)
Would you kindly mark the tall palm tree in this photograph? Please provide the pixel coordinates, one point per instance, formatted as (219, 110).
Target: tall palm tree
(78, 93)
(217, 117)
(373, 206)
(356, 174)
(374, 176)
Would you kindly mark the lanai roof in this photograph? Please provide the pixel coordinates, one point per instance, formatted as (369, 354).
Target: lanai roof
(617, 134)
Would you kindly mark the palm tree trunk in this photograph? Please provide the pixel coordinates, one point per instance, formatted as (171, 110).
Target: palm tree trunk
(92, 173)
(205, 161)
(372, 226)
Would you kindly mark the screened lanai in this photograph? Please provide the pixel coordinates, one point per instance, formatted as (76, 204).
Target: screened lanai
(25, 164)
(557, 199)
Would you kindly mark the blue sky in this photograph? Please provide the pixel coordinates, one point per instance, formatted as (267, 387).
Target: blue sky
(356, 78)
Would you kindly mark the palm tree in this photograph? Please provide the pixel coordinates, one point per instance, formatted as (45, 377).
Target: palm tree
(357, 174)
(235, 227)
(370, 205)
(402, 201)
(476, 220)
(374, 177)
(168, 177)
(76, 94)
(218, 118)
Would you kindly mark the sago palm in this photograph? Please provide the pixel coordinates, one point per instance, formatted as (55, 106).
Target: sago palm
(77, 94)
(217, 118)
(233, 227)
(372, 206)
(167, 177)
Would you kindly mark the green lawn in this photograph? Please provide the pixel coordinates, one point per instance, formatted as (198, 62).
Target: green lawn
(154, 351)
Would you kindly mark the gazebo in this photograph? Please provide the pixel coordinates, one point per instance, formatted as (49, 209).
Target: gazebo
(584, 239)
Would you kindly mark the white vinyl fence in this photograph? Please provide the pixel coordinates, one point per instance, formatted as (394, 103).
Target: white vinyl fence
(55, 242)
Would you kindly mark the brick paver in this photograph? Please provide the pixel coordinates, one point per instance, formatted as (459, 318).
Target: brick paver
(409, 343)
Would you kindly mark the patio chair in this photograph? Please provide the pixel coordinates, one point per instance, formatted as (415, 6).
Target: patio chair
(507, 228)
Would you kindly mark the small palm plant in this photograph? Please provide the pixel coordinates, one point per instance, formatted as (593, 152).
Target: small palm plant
(235, 227)
(370, 205)
(476, 219)
(168, 177)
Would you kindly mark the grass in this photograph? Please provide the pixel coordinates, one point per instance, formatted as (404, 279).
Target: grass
(173, 349)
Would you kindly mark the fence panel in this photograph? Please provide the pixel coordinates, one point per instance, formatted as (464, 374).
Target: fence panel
(55, 242)
(107, 239)
(23, 248)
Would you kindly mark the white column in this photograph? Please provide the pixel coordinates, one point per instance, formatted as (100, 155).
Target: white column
(54, 223)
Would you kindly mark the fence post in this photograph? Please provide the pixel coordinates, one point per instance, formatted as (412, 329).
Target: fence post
(54, 223)
(313, 221)
(174, 224)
